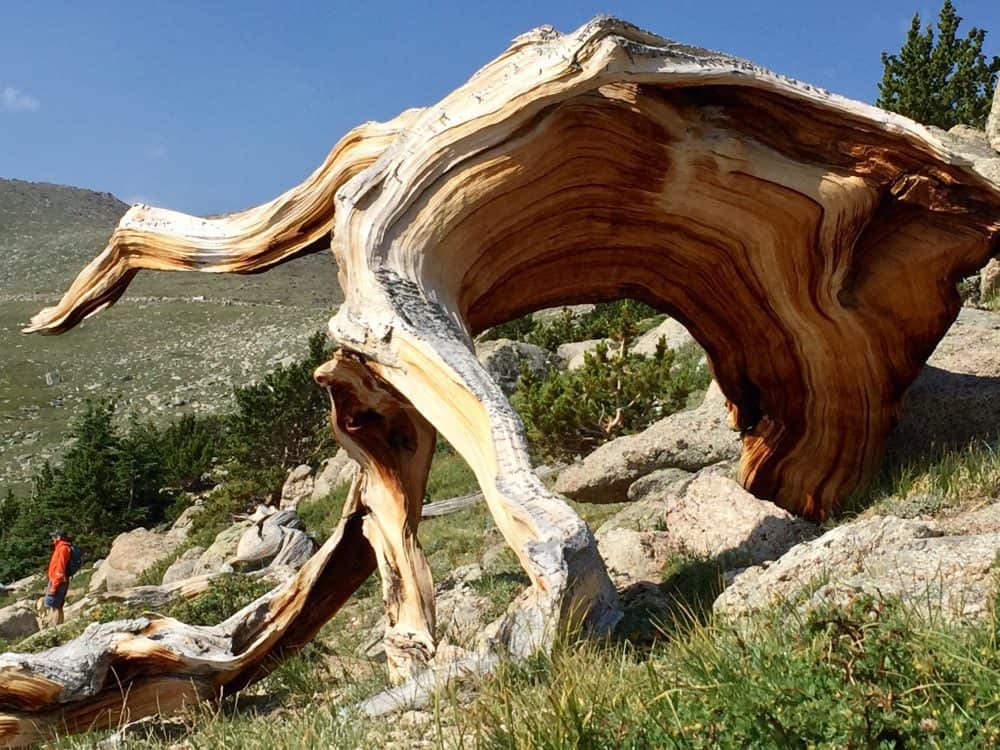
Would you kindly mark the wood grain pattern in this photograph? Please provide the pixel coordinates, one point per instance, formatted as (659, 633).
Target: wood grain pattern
(811, 244)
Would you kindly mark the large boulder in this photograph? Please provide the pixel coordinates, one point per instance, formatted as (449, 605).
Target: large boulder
(688, 440)
(333, 472)
(989, 279)
(951, 575)
(132, 553)
(632, 556)
(298, 486)
(715, 517)
(22, 585)
(975, 145)
(572, 353)
(956, 399)
(503, 359)
(708, 516)
(17, 620)
(187, 565)
(658, 485)
(672, 331)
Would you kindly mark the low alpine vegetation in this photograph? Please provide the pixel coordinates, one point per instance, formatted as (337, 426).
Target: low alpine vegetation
(120, 473)
(616, 391)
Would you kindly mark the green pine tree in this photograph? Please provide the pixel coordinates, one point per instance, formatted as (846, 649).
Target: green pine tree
(945, 81)
(282, 421)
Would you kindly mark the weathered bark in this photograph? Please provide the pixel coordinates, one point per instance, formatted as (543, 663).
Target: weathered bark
(811, 245)
(394, 446)
(126, 669)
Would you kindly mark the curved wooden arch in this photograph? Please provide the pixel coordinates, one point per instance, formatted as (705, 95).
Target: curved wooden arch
(810, 243)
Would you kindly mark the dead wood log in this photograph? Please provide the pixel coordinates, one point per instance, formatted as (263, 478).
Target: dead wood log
(810, 244)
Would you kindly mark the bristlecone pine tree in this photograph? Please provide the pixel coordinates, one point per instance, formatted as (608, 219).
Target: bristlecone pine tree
(942, 82)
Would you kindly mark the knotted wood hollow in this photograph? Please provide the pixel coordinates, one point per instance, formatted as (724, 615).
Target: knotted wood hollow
(811, 245)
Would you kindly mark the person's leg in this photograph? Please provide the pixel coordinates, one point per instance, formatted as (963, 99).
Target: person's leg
(54, 601)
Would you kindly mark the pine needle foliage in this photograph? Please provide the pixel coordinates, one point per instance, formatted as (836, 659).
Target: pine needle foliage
(616, 392)
(940, 79)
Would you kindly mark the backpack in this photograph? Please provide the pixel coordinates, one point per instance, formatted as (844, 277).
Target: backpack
(75, 559)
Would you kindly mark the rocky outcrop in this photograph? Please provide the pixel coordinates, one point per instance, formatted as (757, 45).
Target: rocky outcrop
(17, 620)
(956, 399)
(504, 358)
(187, 565)
(573, 353)
(688, 440)
(550, 314)
(993, 122)
(334, 472)
(954, 575)
(298, 485)
(672, 331)
(132, 553)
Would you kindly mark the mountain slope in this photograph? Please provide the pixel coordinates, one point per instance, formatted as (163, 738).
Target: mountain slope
(177, 342)
(49, 232)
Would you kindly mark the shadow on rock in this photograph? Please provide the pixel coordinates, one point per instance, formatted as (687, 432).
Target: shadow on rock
(945, 410)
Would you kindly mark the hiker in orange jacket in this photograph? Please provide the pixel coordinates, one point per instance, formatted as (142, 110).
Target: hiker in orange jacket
(55, 594)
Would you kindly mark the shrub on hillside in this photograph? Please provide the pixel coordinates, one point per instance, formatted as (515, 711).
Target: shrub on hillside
(115, 477)
(187, 448)
(614, 393)
(282, 420)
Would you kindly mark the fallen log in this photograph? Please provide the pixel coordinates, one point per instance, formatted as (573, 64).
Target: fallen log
(811, 244)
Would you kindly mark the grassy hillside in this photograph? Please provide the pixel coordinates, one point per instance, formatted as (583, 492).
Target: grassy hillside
(49, 232)
(177, 342)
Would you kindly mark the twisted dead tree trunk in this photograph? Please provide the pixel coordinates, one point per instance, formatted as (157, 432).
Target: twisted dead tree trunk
(811, 245)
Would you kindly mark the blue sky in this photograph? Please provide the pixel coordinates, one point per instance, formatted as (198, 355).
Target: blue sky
(211, 106)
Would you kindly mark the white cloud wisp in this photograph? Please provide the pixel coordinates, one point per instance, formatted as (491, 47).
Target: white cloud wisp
(14, 100)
